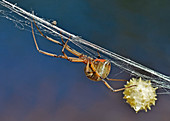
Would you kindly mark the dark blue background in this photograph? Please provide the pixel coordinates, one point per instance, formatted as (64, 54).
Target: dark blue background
(35, 87)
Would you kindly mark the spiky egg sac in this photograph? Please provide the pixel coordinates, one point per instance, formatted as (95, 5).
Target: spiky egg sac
(141, 96)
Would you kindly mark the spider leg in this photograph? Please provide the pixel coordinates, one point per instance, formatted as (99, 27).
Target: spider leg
(93, 68)
(72, 59)
(99, 56)
(117, 90)
(87, 66)
(115, 79)
(107, 85)
(57, 42)
(62, 39)
(65, 45)
(41, 51)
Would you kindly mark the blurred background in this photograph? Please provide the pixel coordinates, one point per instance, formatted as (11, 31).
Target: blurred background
(35, 87)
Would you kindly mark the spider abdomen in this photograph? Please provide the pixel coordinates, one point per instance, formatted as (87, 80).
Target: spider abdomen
(101, 67)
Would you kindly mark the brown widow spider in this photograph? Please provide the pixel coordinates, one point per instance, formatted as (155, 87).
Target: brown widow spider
(95, 69)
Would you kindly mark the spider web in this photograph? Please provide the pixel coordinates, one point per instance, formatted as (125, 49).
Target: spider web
(22, 20)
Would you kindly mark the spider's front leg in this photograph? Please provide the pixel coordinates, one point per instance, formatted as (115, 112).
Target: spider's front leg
(41, 51)
(65, 45)
(72, 59)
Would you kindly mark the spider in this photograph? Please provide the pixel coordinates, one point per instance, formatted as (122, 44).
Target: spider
(95, 69)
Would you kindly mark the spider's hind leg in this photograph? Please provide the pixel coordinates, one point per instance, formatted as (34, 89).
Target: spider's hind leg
(117, 90)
